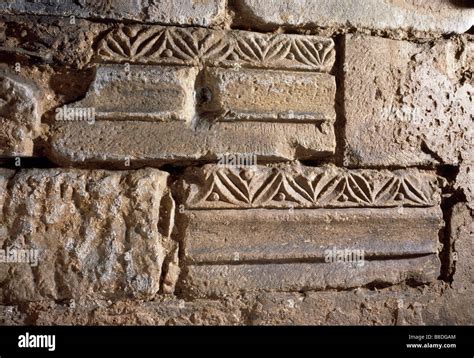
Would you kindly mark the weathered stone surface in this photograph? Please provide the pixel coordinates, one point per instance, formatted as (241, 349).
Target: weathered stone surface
(19, 115)
(277, 96)
(220, 236)
(193, 46)
(438, 16)
(465, 180)
(395, 305)
(160, 143)
(233, 242)
(462, 247)
(221, 280)
(180, 12)
(96, 233)
(141, 93)
(414, 106)
(296, 186)
(48, 40)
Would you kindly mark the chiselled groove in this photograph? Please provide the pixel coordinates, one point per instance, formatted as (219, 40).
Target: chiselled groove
(190, 46)
(315, 260)
(215, 187)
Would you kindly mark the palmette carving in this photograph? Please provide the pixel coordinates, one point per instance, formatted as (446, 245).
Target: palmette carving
(171, 45)
(218, 187)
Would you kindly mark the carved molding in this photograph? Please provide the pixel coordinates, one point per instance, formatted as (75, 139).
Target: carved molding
(219, 187)
(191, 46)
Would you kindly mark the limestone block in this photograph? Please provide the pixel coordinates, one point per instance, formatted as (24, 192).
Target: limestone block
(20, 119)
(94, 234)
(162, 120)
(437, 16)
(293, 228)
(192, 46)
(412, 107)
(179, 12)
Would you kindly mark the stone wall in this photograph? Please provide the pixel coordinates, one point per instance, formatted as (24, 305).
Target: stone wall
(244, 162)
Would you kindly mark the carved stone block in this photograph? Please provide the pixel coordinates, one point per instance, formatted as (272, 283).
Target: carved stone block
(193, 46)
(274, 227)
(204, 126)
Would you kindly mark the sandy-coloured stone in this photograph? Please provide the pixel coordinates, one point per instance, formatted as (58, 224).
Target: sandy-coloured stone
(462, 247)
(95, 232)
(220, 280)
(256, 235)
(232, 185)
(51, 40)
(186, 122)
(396, 305)
(437, 16)
(197, 46)
(465, 179)
(194, 12)
(414, 106)
(167, 142)
(437, 304)
(277, 96)
(123, 92)
(179, 12)
(20, 109)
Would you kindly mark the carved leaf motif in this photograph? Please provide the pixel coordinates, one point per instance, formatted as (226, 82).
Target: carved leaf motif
(277, 49)
(146, 44)
(131, 44)
(332, 187)
(359, 188)
(214, 48)
(303, 187)
(182, 43)
(306, 52)
(412, 192)
(250, 49)
(388, 191)
(269, 189)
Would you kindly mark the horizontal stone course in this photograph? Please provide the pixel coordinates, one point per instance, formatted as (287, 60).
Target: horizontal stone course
(179, 12)
(221, 280)
(436, 16)
(265, 236)
(219, 48)
(297, 186)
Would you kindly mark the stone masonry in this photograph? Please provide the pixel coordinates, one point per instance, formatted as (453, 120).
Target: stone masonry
(240, 162)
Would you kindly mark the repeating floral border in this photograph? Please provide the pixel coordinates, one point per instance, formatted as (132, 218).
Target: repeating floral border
(218, 187)
(190, 46)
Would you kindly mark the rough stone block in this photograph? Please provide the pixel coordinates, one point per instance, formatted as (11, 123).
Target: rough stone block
(19, 115)
(95, 234)
(413, 106)
(462, 247)
(438, 16)
(193, 46)
(179, 12)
